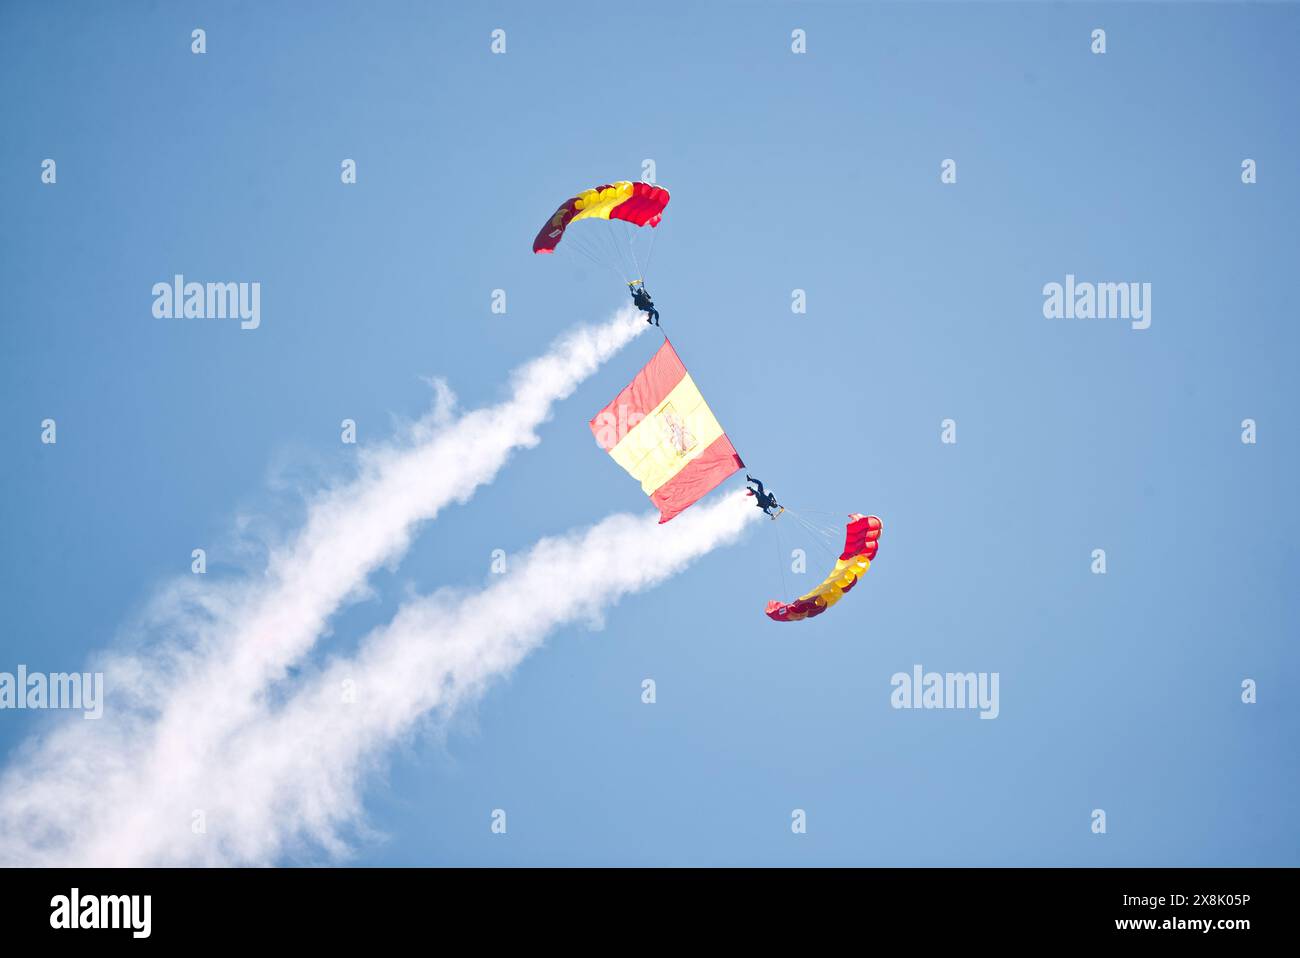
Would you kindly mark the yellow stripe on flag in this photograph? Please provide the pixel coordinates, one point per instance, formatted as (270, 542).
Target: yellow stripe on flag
(665, 442)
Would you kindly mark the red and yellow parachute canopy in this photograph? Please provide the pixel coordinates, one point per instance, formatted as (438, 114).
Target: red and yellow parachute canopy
(640, 204)
(661, 431)
(861, 537)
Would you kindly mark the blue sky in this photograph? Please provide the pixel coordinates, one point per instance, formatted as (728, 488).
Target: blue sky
(817, 171)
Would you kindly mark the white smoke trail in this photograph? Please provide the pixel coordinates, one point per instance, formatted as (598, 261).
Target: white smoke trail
(93, 790)
(293, 774)
(296, 774)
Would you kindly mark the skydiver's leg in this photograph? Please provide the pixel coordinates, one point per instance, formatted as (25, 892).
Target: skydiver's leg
(759, 484)
(655, 313)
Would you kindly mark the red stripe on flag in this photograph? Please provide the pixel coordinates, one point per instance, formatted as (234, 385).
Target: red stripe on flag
(698, 479)
(639, 398)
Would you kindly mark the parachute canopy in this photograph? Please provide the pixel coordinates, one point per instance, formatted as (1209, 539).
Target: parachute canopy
(663, 433)
(861, 537)
(641, 204)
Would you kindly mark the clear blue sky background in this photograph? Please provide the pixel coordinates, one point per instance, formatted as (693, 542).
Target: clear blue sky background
(819, 172)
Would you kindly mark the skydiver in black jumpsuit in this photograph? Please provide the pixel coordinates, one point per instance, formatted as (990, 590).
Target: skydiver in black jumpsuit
(641, 299)
(764, 500)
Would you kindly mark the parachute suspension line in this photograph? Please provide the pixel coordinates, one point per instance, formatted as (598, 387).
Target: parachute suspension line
(654, 234)
(619, 253)
(600, 244)
(576, 242)
(821, 512)
(607, 251)
(819, 552)
(611, 243)
(581, 248)
(583, 240)
(629, 232)
(831, 529)
(601, 247)
(780, 561)
(623, 240)
(828, 531)
(827, 539)
(829, 523)
(824, 539)
(819, 540)
(832, 516)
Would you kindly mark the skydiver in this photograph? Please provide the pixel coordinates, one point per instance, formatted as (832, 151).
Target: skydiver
(641, 299)
(763, 499)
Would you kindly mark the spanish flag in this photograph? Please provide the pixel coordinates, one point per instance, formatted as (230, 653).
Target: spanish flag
(663, 433)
